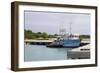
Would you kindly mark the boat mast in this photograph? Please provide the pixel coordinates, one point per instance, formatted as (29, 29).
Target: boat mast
(62, 30)
(70, 28)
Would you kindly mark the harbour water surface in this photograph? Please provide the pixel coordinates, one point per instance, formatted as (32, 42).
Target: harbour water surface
(43, 53)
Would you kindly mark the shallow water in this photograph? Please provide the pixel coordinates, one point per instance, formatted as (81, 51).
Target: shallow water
(43, 53)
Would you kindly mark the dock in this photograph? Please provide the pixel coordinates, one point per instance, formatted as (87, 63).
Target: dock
(38, 42)
(45, 42)
(82, 52)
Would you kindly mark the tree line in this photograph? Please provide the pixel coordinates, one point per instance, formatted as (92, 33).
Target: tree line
(84, 36)
(28, 34)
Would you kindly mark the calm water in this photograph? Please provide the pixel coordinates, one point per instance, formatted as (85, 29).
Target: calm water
(43, 53)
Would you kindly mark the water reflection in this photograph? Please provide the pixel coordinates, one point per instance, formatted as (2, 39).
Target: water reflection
(43, 53)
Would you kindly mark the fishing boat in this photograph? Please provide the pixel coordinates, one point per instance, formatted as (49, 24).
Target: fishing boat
(66, 40)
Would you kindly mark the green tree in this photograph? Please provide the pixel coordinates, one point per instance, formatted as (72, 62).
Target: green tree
(44, 35)
(29, 34)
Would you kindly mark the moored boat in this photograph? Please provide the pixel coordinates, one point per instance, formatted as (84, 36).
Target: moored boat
(66, 40)
(69, 43)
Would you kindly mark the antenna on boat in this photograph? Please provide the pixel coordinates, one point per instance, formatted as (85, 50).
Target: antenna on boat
(70, 28)
(62, 30)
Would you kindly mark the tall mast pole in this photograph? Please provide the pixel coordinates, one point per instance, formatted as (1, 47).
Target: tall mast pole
(71, 27)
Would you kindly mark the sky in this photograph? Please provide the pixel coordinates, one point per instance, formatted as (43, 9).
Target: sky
(52, 22)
